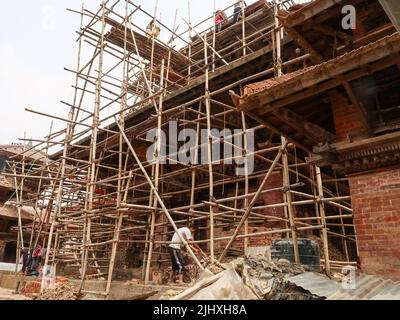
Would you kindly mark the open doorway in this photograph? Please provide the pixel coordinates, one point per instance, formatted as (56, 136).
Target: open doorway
(10, 252)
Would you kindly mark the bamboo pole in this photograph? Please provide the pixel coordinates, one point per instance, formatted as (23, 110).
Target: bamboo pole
(209, 152)
(323, 220)
(157, 176)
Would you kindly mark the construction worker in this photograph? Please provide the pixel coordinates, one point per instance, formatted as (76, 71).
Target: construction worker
(220, 18)
(178, 263)
(153, 30)
(237, 12)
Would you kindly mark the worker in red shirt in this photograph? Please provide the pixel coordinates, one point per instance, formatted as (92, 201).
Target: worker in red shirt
(220, 18)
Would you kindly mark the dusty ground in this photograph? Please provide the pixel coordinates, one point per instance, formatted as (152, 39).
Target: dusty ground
(7, 294)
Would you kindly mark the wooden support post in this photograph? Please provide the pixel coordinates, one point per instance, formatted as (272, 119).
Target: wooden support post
(288, 198)
(156, 174)
(323, 220)
(209, 150)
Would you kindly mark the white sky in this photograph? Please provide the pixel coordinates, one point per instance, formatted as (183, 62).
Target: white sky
(37, 40)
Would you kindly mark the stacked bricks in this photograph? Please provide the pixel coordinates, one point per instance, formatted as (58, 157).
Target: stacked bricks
(376, 204)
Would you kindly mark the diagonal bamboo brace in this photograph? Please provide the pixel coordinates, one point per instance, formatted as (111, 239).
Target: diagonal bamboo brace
(253, 201)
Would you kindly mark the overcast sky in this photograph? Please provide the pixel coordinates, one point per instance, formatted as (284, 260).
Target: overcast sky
(37, 40)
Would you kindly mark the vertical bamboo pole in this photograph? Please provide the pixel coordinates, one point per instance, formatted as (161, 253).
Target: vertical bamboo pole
(343, 229)
(288, 197)
(209, 150)
(124, 92)
(17, 254)
(18, 195)
(246, 180)
(214, 35)
(157, 174)
(93, 145)
(190, 42)
(323, 220)
(243, 28)
(152, 46)
(195, 160)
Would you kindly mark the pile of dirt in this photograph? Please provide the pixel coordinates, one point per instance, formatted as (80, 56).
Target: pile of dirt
(62, 291)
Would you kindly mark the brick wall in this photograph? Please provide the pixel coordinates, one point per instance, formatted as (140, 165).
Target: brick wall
(347, 120)
(376, 204)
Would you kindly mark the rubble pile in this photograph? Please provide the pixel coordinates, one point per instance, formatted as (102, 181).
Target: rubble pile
(268, 279)
(32, 288)
(263, 279)
(62, 291)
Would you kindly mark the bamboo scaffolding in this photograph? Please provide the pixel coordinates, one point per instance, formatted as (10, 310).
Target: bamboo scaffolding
(100, 192)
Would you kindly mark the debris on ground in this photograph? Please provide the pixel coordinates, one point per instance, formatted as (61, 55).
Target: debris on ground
(167, 295)
(255, 277)
(62, 291)
(31, 288)
(133, 281)
(215, 267)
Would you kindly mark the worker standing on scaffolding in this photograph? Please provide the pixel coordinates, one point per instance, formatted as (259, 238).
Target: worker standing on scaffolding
(220, 18)
(237, 12)
(178, 263)
(153, 30)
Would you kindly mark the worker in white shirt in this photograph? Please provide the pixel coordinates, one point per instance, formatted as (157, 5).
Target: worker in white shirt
(178, 263)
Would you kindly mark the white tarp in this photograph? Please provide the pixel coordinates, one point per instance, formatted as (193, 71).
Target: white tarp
(227, 285)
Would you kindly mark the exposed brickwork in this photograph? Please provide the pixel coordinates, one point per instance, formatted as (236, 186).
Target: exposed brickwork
(376, 204)
(347, 120)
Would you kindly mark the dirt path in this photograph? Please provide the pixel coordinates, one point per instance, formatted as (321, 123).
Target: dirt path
(7, 294)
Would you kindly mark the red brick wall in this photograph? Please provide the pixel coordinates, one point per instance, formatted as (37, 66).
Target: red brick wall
(346, 118)
(376, 204)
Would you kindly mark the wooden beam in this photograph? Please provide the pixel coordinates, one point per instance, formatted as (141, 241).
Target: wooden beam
(356, 74)
(307, 47)
(332, 32)
(298, 123)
